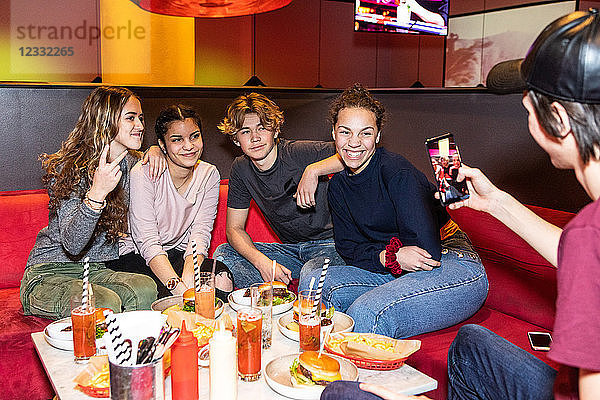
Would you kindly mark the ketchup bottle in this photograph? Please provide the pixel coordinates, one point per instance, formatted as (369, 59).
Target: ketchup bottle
(184, 366)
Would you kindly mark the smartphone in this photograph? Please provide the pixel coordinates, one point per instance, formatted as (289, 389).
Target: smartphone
(445, 160)
(540, 340)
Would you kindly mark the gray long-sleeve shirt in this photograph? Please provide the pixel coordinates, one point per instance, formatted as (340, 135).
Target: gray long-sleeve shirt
(69, 234)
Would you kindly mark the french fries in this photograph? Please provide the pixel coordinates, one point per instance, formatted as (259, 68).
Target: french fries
(380, 343)
(372, 346)
(203, 333)
(101, 379)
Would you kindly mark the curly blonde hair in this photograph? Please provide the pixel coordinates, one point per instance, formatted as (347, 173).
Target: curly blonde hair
(72, 168)
(271, 117)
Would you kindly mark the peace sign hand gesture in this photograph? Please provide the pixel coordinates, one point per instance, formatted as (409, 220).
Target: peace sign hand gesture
(106, 176)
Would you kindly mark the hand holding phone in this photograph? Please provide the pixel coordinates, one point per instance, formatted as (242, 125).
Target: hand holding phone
(445, 160)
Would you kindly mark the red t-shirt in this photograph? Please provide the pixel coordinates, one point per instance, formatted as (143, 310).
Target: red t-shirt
(576, 335)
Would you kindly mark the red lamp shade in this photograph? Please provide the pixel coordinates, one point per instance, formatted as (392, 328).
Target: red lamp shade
(210, 8)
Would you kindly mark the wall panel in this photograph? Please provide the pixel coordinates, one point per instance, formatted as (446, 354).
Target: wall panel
(585, 4)
(287, 45)
(397, 60)
(465, 6)
(223, 51)
(346, 56)
(431, 60)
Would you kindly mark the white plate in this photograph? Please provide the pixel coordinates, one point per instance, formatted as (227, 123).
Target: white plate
(341, 323)
(56, 337)
(277, 375)
(166, 302)
(237, 301)
(62, 340)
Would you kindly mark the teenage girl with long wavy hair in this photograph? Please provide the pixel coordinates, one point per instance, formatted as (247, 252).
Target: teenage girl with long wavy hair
(88, 186)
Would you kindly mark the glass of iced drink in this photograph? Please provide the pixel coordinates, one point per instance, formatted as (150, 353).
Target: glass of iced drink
(262, 298)
(309, 319)
(83, 322)
(205, 298)
(249, 343)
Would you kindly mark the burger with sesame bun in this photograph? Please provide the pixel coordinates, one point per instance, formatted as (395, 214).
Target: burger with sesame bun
(310, 369)
(189, 300)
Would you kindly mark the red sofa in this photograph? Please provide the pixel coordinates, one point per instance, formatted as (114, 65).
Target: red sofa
(521, 297)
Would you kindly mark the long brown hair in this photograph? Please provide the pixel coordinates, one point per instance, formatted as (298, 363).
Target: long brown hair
(72, 168)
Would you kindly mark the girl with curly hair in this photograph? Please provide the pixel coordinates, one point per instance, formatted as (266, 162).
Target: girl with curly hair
(410, 269)
(88, 186)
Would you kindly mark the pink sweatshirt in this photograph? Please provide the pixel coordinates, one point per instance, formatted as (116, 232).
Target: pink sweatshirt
(161, 219)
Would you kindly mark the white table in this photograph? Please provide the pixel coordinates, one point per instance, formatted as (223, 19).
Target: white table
(61, 370)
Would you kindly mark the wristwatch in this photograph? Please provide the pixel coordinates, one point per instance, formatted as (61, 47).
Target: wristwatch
(172, 283)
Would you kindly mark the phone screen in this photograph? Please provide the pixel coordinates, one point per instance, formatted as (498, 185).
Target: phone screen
(540, 340)
(445, 160)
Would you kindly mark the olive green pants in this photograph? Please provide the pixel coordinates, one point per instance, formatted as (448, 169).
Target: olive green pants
(47, 289)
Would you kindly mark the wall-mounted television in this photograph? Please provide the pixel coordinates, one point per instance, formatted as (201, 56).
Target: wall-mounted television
(402, 16)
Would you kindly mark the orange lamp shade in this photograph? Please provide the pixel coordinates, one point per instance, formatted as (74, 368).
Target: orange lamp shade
(210, 8)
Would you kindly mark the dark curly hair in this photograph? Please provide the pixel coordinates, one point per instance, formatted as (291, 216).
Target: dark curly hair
(72, 168)
(357, 96)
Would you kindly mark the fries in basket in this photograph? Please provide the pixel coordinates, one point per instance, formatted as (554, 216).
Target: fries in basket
(371, 346)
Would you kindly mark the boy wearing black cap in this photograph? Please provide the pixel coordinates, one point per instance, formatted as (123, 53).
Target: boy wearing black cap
(561, 78)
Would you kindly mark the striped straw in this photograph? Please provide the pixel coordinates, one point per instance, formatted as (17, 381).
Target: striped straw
(121, 348)
(196, 266)
(86, 281)
(320, 286)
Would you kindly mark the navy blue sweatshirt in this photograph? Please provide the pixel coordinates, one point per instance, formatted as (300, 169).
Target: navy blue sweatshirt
(390, 197)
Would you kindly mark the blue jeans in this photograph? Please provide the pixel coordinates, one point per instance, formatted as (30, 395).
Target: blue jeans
(291, 255)
(414, 303)
(482, 365)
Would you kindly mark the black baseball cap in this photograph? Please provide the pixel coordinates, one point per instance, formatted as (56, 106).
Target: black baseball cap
(563, 62)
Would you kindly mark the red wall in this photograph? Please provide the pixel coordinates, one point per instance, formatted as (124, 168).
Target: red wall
(310, 43)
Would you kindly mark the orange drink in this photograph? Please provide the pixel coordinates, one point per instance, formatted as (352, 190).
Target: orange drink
(249, 343)
(309, 320)
(83, 321)
(205, 297)
(205, 302)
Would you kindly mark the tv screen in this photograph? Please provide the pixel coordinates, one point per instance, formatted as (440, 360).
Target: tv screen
(402, 16)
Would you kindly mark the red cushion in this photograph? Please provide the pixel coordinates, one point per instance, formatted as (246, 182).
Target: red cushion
(522, 283)
(22, 215)
(17, 351)
(256, 225)
(431, 359)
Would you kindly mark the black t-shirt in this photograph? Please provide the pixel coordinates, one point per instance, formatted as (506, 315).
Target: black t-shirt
(273, 191)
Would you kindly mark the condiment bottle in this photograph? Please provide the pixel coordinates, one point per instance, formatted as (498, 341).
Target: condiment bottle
(223, 365)
(184, 366)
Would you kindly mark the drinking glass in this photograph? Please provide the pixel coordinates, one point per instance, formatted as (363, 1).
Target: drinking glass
(262, 298)
(249, 343)
(83, 322)
(309, 319)
(205, 298)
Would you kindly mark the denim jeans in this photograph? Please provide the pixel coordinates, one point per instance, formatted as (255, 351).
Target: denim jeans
(46, 289)
(408, 305)
(291, 255)
(482, 365)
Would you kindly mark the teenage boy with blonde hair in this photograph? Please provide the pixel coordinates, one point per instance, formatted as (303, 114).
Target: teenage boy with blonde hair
(287, 180)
